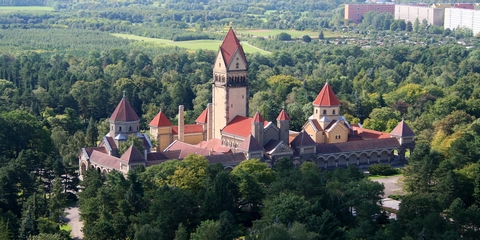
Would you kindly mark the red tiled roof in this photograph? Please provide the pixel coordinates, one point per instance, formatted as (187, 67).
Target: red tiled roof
(250, 144)
(361, 145)
(283, 116)
(160, 121)
(316, 124)
(369, 134)
(187, 149)
(214, 144)
(132, 155)
(91, 149)
(303, 139)
(402, 130)
(229, 46)
(258, 118)
(240, 126)
(104, 160)
(232, 158)
(124, 112)
(189, 128)
(160, 157)
(202, 118)
(326, 97)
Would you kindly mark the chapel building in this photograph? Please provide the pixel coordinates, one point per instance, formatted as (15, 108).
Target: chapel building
(224, 133)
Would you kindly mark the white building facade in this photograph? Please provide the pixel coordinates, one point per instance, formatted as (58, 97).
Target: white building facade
(462, 18)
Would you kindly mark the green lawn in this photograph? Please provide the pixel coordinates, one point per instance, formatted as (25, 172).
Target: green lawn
(4, 9)
(196, 44)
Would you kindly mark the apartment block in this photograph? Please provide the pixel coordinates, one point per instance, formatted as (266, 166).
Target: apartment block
(466, 18)
(434, 16)
(354, 12)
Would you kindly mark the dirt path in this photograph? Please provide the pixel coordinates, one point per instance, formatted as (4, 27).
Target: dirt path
(392, 185)
(73, 219)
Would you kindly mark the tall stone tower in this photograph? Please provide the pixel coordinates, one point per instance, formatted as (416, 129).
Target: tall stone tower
(326, 106)
(124, 121)
(230, 83)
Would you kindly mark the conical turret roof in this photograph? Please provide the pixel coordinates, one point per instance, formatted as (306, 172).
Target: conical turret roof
(258, 118)
(132, 155)
(160, 121)
(402, 130)
(326, 97)
(124, 112)
(283, 116)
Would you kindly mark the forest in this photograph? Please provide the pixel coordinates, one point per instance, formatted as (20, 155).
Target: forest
(62, 74)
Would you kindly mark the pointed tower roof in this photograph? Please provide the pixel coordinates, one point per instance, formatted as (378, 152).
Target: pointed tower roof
(124, 112)
(132, 155)
(283, 116)
(302, 139)
(326, 97)
(229, 46)
(160, 121)
(202, 118)
(402, 130)
(258, 118)
(250, 144)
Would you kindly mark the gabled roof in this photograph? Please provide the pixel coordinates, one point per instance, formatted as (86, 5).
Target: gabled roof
(240, 126)
(104, 160)
(303, 139)
(132, 155)
(258, 118)
(283, 116)
(250, 145)
(402, 130)
(229, 46)
(160, 121)
(361, 145)
(326, 97)
(124, 112)
(202, 118)
(186, 149)
(315, 124)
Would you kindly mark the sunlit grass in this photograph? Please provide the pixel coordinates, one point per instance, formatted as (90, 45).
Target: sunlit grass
(4, 9)
(195, 44)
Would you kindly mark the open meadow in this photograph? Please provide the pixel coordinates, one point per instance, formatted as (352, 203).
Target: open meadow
(195, 44)
(5, 9)
(294, 33)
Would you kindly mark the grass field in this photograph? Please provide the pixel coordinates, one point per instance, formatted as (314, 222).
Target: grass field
(293, 33)
(4, 9)
(196, 44)
(372, 177)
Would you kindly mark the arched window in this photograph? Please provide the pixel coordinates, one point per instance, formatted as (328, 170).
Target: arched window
(333, 112)
(119, 129)
(324, 112)
(130, 128)
(237, 64)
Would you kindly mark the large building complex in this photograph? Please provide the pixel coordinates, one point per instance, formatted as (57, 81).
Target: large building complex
(462, 18)
(354, 12)
(224, 133)
(409, 13)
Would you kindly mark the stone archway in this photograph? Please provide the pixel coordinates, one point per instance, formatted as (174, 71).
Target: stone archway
(374, 158)
(83, 168)
(342, 161)
(363, 158)
(321, 162)
(99, 170)
(331, 163)
(352, 159)
(228, 169)
(384, 156)
(104, 172)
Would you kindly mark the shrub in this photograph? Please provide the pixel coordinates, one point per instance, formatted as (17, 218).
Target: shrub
(382, 169)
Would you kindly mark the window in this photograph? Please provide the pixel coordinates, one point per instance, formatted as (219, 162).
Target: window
(316, 110)
(237, 64)
(130, 128)
(243, 96)
(333, 112)
(119, 129)
(324, 111)
(219, 64)
(231, 105)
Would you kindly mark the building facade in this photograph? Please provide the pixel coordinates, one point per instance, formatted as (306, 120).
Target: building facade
(410, 13)
(354, 12)
(462, 18)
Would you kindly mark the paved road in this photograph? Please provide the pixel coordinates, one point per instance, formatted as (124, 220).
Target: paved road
(73, 219)
(392, 185)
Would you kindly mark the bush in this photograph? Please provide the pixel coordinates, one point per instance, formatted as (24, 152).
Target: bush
(395, 196)
(382, 169)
